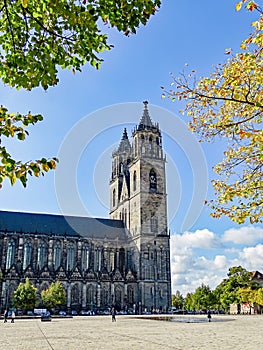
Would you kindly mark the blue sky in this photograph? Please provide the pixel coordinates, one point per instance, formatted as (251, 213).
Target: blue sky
(84, 117)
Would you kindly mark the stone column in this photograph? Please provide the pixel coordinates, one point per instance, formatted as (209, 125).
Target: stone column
(84, 296)
(68, 295)
(79, 246)
(112, 291)
(50, 253)
(98, 295)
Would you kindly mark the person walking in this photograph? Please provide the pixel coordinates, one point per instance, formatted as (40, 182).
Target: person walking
(13, 315)
(113, 313)
(209, 316)
(5, 316)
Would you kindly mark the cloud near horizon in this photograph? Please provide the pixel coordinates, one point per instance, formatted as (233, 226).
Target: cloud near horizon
(203, 257)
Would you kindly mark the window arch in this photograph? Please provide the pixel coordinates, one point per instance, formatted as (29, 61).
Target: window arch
(121, 168)
(75, 294)
(130, 295)
(10, 255)
(104, 297)
(41, 254)
(57, 255)
(27, 254)
(114, 197)
(134, 180)
(70, 256)
(91, 296)
(153, 180)
(85, 257)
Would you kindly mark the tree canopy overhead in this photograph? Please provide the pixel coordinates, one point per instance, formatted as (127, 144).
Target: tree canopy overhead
(38, 37)
(229, 104)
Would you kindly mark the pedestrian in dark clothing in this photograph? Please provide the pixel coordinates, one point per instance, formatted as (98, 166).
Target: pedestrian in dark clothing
(209, 316)
(113, 313)
(5, 316)
(13, 315)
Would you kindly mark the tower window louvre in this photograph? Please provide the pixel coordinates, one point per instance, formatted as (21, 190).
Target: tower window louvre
(153, 180)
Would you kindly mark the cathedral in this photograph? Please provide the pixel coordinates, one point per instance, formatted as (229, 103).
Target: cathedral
(123, 261)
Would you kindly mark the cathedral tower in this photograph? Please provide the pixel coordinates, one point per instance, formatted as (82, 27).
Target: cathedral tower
(138, 197)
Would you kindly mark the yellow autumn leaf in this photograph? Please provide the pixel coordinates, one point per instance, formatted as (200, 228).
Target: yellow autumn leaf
(45, 167)
(239, 5)
(24, 3)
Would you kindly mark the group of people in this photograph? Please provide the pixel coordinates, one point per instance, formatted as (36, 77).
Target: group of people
(12, 316)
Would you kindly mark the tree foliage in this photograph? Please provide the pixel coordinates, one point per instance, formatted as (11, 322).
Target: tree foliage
(238, 287)
(38, 37)
(25, 296)
(228, 291)
(14, 125)
(54, 296)
(188, 301)
(228, 104)
(258, 296)
(202, 298)
(177, 300)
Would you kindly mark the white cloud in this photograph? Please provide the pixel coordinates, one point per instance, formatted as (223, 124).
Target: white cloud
(253, 257)
(220, 262)
(244, 235)
(194, 259)
(198, 239)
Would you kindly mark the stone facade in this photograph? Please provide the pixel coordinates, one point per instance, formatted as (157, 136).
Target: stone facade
(122, 261)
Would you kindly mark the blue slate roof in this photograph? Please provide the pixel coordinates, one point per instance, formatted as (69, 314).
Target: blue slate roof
(74, 226)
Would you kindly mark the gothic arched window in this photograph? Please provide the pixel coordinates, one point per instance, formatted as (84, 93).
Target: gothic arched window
(41, 255)
(112, 260)
(114, 197)
(121, 168)
(130, 295)
(153, 181)
(85, 257)
(57, 255)
(75, 294)
(10, 256)
(70, 256)
(125, 216)
(104, 297)
(91, 296)
(134, 180)
(27, 254)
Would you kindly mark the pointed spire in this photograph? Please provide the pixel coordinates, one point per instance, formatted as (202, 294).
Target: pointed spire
(124, 145)
(145, 122)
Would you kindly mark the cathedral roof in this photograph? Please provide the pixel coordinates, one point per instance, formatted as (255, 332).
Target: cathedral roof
(74, 226)
(124, 145)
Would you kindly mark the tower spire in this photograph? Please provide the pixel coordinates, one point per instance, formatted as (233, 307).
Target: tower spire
(124, 145)
(145, 122)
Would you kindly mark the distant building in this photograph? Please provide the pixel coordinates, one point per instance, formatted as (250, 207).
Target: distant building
(122, 261)
(257, 277)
